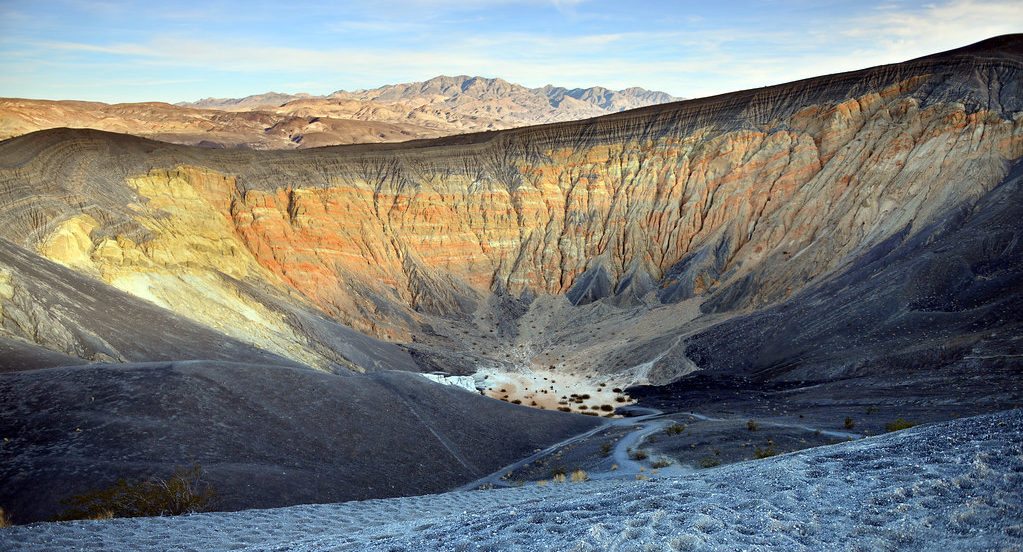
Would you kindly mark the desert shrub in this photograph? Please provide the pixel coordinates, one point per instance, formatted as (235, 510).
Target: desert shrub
(639, 455)
(565, 408)
(616, 390)
(675, 429)
(898, 425)
(620, 399)
(557, 470)
(559, 478)
(709, 462)
(661, 463)
(849, 423)
(607, 408)
(751, 425)
(605, 449)
(183, 492)
(5, 521)
(579, 475)
(767, 452)
(587, 413)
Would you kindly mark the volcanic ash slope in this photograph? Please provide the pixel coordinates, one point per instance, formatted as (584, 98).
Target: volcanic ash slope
(951, 486)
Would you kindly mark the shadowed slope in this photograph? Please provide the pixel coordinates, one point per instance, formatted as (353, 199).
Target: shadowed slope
(78, 316)
(266, 436)
(952, 486)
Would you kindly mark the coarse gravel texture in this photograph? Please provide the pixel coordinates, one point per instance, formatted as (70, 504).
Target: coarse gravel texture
(951, 486)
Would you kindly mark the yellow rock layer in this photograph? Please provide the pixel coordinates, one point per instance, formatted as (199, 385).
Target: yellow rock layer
(180, 267)
(803, 193)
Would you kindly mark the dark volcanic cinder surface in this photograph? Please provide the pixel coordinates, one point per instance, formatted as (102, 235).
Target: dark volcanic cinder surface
(266, 436)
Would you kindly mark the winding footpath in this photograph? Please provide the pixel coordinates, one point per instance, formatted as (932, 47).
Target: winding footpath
(638, 428)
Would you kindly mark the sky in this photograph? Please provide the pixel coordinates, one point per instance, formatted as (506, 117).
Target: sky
(127, 51)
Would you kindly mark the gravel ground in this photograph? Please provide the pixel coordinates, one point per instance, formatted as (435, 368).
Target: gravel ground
(950, 486)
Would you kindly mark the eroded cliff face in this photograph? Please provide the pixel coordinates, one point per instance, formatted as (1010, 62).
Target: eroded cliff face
(737, 202)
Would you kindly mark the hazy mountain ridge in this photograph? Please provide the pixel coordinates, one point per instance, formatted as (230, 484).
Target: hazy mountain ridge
(512, 103)
(439, 107)
(517, 104)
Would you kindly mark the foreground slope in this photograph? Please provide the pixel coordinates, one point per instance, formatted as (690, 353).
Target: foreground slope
(266, 436)
(953, 486)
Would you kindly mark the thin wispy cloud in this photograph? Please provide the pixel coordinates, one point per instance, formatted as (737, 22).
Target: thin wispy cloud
(229, 49)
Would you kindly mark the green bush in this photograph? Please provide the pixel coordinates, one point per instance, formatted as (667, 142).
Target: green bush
(675, 429)
(183, 492)
(710, 462)
(898, 425)
(661, 463)
(765, 452)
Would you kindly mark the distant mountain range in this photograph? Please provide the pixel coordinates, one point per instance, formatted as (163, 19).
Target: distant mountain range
(501, 103)
(395, 113)
(437, 107)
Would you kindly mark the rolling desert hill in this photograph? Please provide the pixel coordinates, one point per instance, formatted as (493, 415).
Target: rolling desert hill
(846, 247)
(396, 113)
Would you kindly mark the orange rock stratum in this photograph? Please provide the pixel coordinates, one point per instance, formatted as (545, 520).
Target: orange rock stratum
(473, 249)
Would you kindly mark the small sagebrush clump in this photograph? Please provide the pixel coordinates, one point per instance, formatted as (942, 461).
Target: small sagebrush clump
(767, 452)
(751, 425)
(183, 492)
(579, 475)
(899, 424)
(849, 423)
(710, 462)
(675, 429)
(4, 520)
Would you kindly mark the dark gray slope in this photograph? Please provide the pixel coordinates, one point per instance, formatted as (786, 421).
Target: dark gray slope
(942, 305)
(17, 354)
(955, 486)
(266, 436)
(75, 315)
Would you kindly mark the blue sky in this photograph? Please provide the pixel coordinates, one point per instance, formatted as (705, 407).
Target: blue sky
(116, 51)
